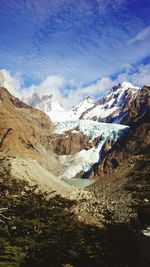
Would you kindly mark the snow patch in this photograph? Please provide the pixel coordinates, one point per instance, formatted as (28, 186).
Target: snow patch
(146, 231)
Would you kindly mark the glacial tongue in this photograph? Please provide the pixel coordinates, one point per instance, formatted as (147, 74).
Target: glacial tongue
(83, 160)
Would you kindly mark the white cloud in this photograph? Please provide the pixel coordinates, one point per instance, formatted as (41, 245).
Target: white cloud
(97, 88)
(51, 85)
(140, 77)
(13, 84)
(57, 85)
(142, 35)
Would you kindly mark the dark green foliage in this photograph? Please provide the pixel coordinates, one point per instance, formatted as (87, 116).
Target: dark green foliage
(138, 183)
(37, 231)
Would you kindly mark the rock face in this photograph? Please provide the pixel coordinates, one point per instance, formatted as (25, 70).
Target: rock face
(23, 129)
(46, 103)
(71, 142)
(123, 175)
(137, 141)
(138, 106)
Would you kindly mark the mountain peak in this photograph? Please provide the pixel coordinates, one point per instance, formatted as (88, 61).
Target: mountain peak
(127, 85)
(113, 107)
(106, 109)
(46, 97)
(124, 86)
(87, 99)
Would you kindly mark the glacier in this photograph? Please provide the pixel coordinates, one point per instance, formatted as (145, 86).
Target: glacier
(84, 160)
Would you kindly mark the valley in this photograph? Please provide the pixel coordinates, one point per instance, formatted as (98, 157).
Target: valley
(74, 133)
(90, 172)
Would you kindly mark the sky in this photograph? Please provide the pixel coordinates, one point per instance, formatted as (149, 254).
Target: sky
(74, 47)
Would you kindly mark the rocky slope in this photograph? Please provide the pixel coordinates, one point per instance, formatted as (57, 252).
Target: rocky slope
(36, 230)
(22, 128)
(24, 136)
(123, 175)
(137, 141)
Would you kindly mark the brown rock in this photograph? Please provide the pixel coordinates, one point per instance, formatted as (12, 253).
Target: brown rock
(22, 129)
(71, 142)
(137, 141)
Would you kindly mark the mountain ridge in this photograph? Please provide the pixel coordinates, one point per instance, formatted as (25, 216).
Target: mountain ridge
(111, 108)
(42, 153)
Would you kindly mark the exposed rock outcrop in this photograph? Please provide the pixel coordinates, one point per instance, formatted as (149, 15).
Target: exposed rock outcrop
(137, 141)
(137, 107)
(71, 142)
(26, 124)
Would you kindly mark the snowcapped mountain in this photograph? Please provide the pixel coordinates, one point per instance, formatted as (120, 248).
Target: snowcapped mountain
(87, 103)
(47, 103)
(114, 106)
(84, 133)
(54, 109)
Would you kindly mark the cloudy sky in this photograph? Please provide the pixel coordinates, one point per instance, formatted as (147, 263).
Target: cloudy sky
(74, 47)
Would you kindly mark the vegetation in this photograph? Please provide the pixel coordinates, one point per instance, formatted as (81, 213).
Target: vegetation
(37, 231)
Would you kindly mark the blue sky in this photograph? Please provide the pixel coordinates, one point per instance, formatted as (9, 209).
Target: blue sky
(79, 40)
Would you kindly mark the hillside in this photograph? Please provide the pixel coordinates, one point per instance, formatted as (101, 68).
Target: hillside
(23, 134)
(37, 231)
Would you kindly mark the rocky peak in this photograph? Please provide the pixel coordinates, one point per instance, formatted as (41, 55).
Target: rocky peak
(88, 99)
(137, 106)
(46, 97)
(118, 90)
(127, 85)
(46, 103)
(113, 106)
(34, 100)
(5, 97)
(115, 88)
